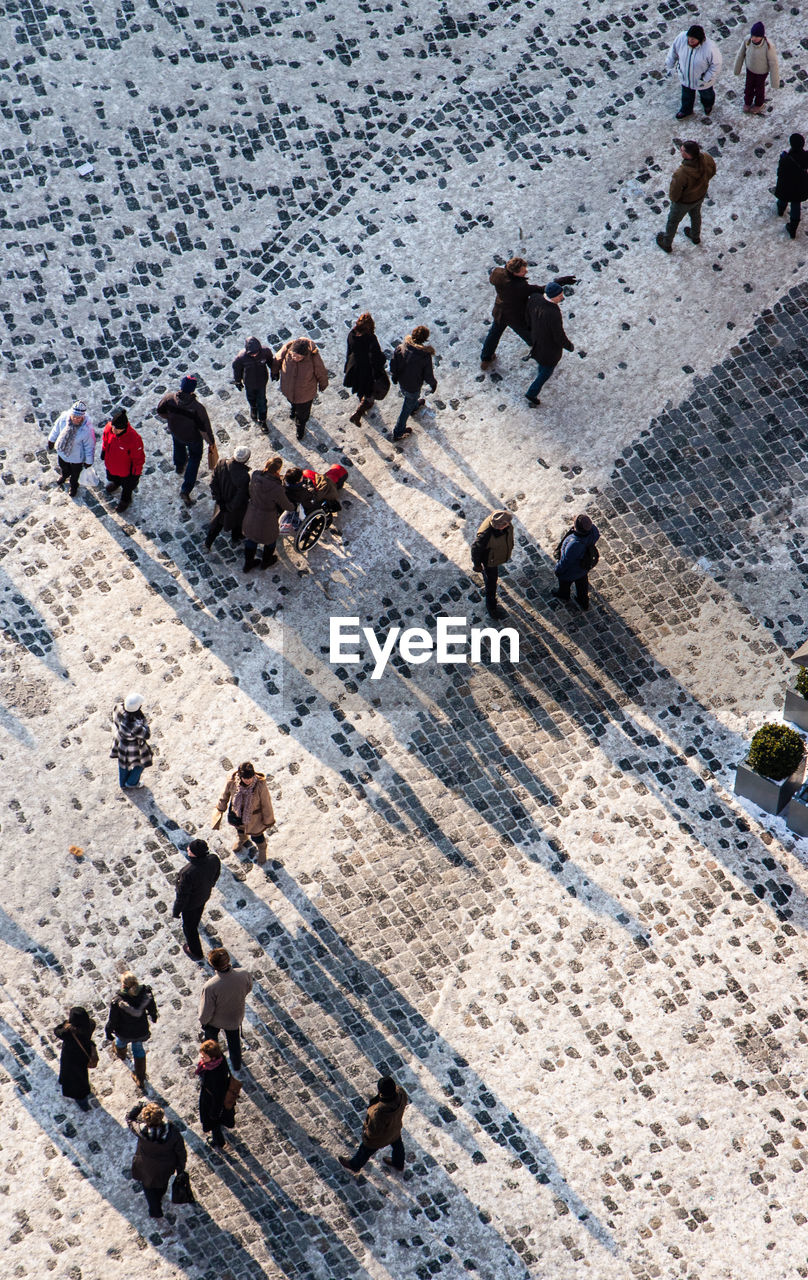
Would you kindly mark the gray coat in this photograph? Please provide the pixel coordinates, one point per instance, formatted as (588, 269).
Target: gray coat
(223, 997)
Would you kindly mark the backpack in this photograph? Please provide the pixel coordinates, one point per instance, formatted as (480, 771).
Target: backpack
(589, 558)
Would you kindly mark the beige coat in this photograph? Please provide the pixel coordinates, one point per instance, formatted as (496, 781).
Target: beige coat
(760, 59)
(223, 997)
(262, 815)
(300, 379)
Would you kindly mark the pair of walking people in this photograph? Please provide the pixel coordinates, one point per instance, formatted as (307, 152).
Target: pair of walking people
(299, 368)
(533, 312)
(575, 557)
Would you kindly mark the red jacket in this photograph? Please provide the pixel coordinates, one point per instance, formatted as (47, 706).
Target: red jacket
(123, 455)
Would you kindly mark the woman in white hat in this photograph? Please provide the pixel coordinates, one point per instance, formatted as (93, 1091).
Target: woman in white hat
(73, 438)
(131, 743)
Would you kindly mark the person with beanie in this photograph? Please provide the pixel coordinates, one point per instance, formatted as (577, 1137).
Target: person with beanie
(267, 502)
(698, 63)
(251, 369)
(758, 55)
(382, 1127)
(365, 364)
(78, 1056)
(301, 371)
(130, 746)
(223, 1001)
(576, 555)
(230, 487)
(687, 191)
(548, 341)
(123, 456)
(510, 305)
(410, 368)
(214, 1083)
(492, 547)
(188, 424)
(128, 1021)
(248, 805)
(159, 1154)
(193, 888)
(73, 438)
(792, 182)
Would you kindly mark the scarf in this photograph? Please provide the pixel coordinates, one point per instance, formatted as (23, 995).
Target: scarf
(243, 801)
(204, 1064)
(69, 434)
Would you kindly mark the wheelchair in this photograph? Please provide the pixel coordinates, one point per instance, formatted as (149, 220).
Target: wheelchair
(307, 529)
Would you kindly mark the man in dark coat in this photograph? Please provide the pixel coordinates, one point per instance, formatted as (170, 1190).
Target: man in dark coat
(792, 182)
(576, 560)
(382, 1127)
(510, 306)
(194, 886)
(159, 1154)
(548, 340)
(410, 368)
(493, 547)
(251, 369)
(230, 486)
(188, 424)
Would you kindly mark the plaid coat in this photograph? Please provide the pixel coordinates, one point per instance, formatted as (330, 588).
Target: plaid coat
(130, 746)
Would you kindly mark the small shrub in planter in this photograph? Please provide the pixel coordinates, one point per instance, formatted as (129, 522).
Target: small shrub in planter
(802, 682)
(796, 708)
(773, 770)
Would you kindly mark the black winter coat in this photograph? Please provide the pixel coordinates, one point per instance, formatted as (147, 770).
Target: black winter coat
(129, 1015)
(548, 340)
(792, 176)
(513, 292)
(411, 367)
(230, 486)
(195, 883)
(213, 1087)
(160, 1151)
(77, 1045)
(185, 417)
(364, 363)
(252, 369)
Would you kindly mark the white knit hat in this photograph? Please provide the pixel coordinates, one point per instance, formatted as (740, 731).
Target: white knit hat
(78, 407)
(242, 453)
(133, 702)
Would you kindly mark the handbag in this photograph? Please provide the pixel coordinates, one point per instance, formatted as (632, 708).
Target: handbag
(381, 386)
(213, 455)
(92, 1056)
(181, 1192)
(216, 819)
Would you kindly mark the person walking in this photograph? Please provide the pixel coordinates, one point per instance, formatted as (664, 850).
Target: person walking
(128, 1021)
(382, 1127)
(214, 1083)
(548, 341)
(576, 556)
(193, 888)
(223, 1002)
(301, 371)
(73, 438)
(758, 56)
(792, 182)
(510, 306)
(266, 503)
(410, 368)
(493, 547)
(230, 486)
(251, 370)
(78, 1055)
(248, 805)
(698, 63)
(159, 1154)
(687, 191)
(123, 456)
(188, 424)
(130, 745)
(365, 366)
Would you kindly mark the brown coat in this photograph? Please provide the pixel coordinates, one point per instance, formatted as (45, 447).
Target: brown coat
(492, 546)
(691, 180)
(159, 1154)
(383, 1121)
(267, 500)
(300, 379)
(262, 815)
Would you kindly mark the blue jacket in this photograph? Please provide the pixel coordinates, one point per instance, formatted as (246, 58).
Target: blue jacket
(572, 551)
(83, 447)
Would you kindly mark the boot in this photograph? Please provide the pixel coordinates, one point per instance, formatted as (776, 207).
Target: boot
(120, 1053)
(249, 559)
(268, 558)
(139, 1074)
(365, 406)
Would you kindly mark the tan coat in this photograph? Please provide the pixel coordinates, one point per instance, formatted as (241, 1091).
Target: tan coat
(300, 379)
(262, 815)
(760, 59)
(691, 180)
(383, 1120)
(223, 997)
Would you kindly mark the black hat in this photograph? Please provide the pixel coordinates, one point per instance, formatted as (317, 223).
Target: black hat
(252, 346)
(79, 1017)
(120, 418)
(387, 1088)
(198, 849)
(797, 142)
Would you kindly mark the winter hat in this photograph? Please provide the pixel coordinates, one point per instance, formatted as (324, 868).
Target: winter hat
(553, 290)
(758, 29)
(501, 519)
(696, 33)
(188, 383)
(198, 849)
(133, 702)
(242, 454)
(300, 347)
(251, 346)
(119, 418)
(79, 407)
(583, 524)
(796, 142)
(387, 1088)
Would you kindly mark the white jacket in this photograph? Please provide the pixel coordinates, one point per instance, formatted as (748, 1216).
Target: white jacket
(698, 68)
(82, 448)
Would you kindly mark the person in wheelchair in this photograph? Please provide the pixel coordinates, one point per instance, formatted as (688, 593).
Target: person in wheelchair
(311, 490)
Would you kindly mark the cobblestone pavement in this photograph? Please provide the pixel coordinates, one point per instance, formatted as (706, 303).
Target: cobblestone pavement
(524, 889)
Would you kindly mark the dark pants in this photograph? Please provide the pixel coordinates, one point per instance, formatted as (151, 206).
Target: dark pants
(251, 545)
(364, 1153)
(543, 372)
(301, 412)
(188, 456)
(233, 1043)
(754, 92)
(794, 211)
(126, 484)
(676, 213)
(70, 471)
(154, 1199)
(130, 777)
(490, 577)
(581, 591)
(215, 528)
(689, 100)
(257, 400)
(496, 331)
(408, 407)
(190, 927)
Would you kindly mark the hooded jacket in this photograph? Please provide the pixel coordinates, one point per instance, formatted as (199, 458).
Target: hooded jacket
(384, 1120)
(82, 446)
(492, 546)
(129, 1015)
(186, 418)
(691, 180)
(569, 567)
(300, 379)
(411, 366)
(698, 68)
(122, 455)
(252, 365)
(160, 1151)
(195, 883)
(548, 341)
(267, 500)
